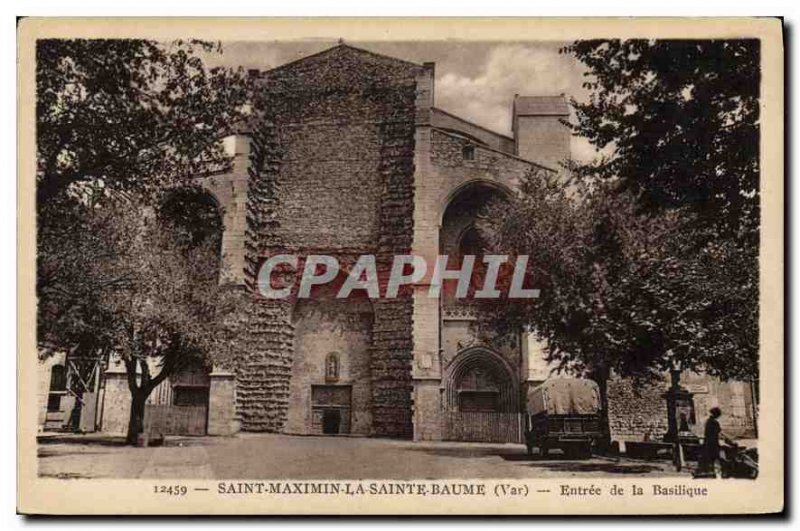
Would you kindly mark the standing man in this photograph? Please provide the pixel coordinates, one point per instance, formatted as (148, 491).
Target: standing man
(75, 415)
(711, 447)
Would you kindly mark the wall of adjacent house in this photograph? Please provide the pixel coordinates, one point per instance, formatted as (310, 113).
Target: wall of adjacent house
(44, 371)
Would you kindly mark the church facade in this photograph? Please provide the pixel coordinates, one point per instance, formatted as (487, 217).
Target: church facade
(348, 155)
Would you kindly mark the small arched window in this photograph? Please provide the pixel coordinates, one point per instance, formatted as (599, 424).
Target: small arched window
(58, 378)
(332, 367)
(468, 152)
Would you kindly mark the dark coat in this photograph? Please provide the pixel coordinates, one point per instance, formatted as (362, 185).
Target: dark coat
(712, 438)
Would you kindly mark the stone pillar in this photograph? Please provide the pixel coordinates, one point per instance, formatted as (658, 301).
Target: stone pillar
(427, 409)
(222, 404)
(427, 372)
(116, 402)
(680, 408)
(230, 191)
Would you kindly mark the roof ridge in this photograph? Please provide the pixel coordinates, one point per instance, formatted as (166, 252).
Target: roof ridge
(380, 55)
(470, 122)
(338, 46)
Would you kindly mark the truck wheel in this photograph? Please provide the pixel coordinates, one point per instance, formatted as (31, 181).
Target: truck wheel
(544, 449)
(585, 451)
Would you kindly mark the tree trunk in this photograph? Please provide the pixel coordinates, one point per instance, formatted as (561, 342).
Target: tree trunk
(601, 377)
(136, 420)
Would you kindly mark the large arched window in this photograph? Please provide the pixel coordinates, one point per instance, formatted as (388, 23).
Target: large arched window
(464, 231)
(196, 216)
(464, 219)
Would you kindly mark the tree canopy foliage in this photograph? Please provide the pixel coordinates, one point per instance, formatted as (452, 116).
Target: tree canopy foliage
(681, 121)
(625, 292)
(135, 115)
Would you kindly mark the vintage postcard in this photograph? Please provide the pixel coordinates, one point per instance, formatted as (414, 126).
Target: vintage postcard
(401, 266)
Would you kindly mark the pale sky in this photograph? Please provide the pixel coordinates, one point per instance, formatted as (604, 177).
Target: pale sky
(474, 80)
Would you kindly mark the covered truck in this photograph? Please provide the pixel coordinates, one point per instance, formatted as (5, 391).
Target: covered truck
(563, 413)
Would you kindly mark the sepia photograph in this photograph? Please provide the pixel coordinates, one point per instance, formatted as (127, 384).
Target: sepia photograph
(506, 271)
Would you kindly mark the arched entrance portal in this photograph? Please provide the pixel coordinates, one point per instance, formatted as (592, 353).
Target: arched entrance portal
(481, 398)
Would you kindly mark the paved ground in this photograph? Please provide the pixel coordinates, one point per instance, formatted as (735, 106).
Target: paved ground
(267, 456)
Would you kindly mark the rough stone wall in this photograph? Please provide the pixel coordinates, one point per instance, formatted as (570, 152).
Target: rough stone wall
(636, 412)
(392, 334)
(331, 173)
(318, 206)
(450, 166)
(263, 367)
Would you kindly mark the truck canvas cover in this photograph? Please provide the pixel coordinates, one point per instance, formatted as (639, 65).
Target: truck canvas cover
(565, 396)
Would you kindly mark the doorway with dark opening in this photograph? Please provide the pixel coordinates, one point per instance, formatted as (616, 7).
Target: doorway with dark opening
(331, 419)
(331, 407)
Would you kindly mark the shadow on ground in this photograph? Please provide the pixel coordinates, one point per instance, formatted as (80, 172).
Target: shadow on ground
(107, 440)
(471, 453)
(43, 453)
(71, 438)
(507, 454)
(606, 468)
(66, 475)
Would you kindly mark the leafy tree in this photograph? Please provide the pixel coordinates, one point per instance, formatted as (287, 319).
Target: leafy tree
(647, 257)
(124, 117)
(120, 125)
(587, 254)
(139, 292)
(680, 121)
